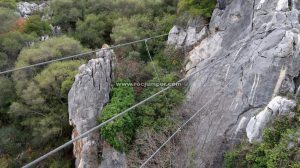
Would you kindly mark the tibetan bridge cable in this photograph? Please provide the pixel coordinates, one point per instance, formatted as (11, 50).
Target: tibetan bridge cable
(214, 62)
(80, 54)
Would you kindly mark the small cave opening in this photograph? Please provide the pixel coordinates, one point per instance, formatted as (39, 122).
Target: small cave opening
(297, 84)
(290, 3)
(222, 4)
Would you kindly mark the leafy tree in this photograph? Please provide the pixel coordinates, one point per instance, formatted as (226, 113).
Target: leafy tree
(92, 21)
(119, 133)
(37, 26)
(66, 13)
(6, 97)
(8, 19)
(131, 29)
(44, 100)
(155, 113)
(94, 30)
(8, 4)
(131, 68)
(3, 59)
(12, 140)
(44, 51)
(41, 107)
(164, 23)
(127, 8)
(170, 59)
(197, 7)
(10, 46)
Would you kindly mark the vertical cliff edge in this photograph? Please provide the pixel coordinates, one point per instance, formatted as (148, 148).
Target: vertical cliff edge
(88, 95)
(250, 56)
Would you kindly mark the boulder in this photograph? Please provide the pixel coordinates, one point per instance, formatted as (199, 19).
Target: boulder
(278, 106)
(27, 8)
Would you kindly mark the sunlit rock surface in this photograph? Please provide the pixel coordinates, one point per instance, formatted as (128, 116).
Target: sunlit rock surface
(277, 107)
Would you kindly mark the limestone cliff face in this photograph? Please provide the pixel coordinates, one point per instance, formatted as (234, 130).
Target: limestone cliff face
(88, 95)
(249, 54)
(277, 107)
(187, 37)
(253, 51)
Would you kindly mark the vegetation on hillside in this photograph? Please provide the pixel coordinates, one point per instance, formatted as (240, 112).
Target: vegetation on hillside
(279, 148)
(33, 102)
(120, 132)
(196, 7)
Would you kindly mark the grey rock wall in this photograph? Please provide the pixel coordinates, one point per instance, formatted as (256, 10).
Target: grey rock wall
(112, 158)
(250, 56)
(187, 37)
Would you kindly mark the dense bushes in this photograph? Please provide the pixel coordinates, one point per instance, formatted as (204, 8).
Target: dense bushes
(98, 22)
(120, 132)
(37, 109)
(33, 102)
(276, 149)
(155, 113)
(37, 26)
(11, 4)
(10, 46)
(135, 66)
(196, 7)
(94, 30)
(6, 97)
(8, 19)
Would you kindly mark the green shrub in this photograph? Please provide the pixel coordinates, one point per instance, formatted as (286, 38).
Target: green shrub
(7, 96)
(12, 140)
(196, 7)
(3, 59)
(8, 4)
(8, 19)
(272, 152)
(10, 46)
(171, 59)
(53, 48)
(119, 133)
(40, 108)
(43, 105)
(152, 113)
(231, 159)
(296, 165)
(66, 13)
(94, 31)
(37, 26)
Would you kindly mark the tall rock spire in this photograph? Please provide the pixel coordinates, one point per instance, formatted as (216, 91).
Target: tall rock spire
(88, 95)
